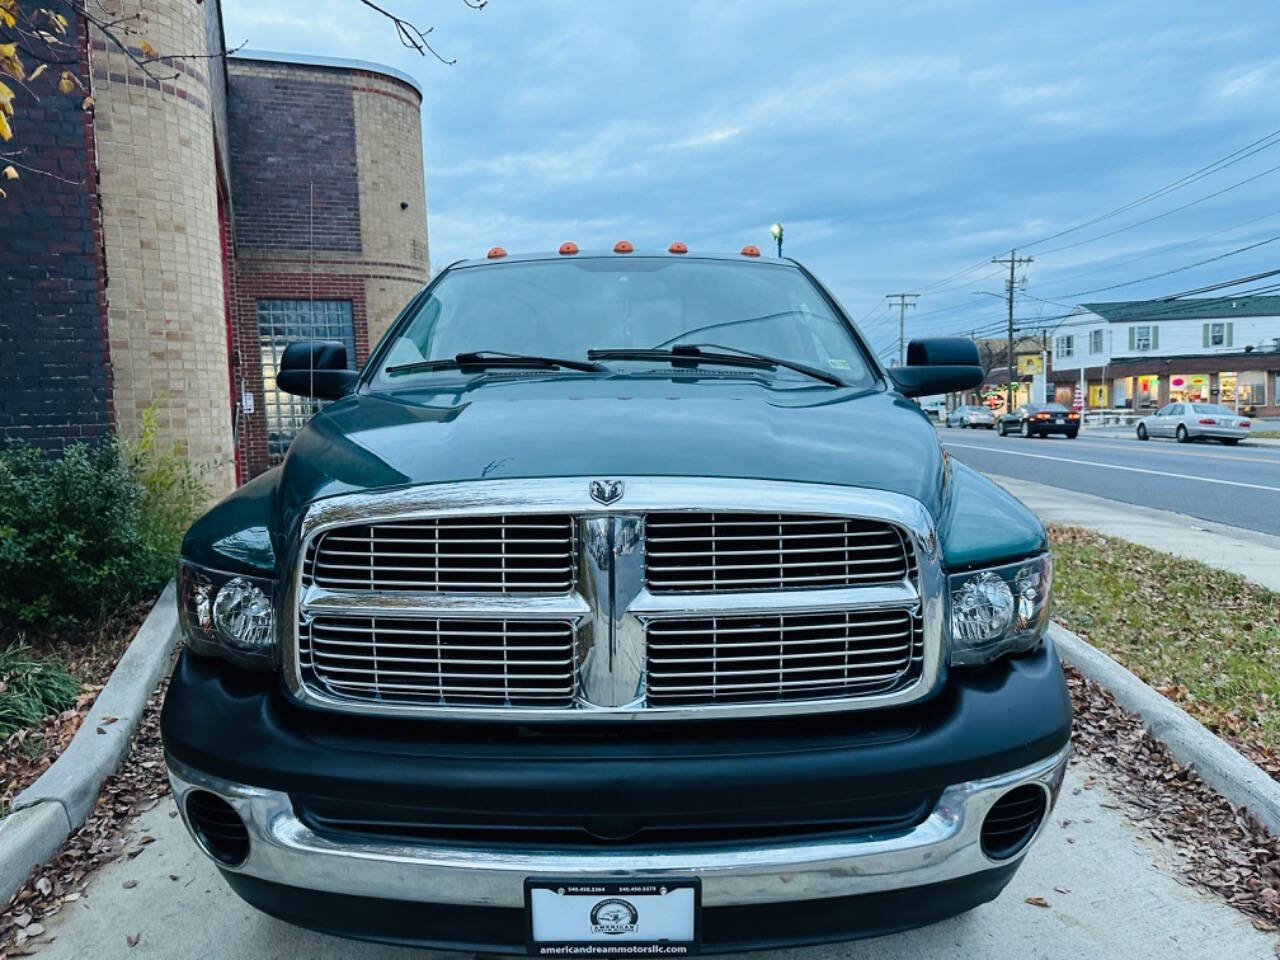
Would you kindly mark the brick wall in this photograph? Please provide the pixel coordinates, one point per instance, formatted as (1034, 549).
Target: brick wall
(361, 132)
(292, 132)
(55, 380)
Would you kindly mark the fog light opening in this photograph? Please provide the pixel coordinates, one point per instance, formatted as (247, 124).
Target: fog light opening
(1013, 820)
(218, 828)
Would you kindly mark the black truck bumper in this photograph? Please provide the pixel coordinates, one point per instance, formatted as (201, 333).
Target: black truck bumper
(798, 830)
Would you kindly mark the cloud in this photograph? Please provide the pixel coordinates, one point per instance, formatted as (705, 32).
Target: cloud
(900, 144)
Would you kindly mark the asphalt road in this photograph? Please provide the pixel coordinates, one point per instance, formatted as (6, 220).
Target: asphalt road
(1110, 888)
(1238, 486)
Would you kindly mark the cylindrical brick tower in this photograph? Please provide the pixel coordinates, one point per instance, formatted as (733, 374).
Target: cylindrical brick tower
(166, 303)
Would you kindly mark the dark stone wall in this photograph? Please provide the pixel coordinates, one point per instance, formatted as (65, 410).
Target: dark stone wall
(55, 377)
(287, 131)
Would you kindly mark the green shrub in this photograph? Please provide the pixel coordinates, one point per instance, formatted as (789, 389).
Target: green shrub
(31, 689)
(88, 532)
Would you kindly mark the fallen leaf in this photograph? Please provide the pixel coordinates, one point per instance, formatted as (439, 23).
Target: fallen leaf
(1037, 901)
(129, 884)
(1062, 889)
(132, 939)
(10, 172)
(109, 720)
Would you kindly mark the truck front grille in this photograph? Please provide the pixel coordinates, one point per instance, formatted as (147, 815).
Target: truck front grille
(439, 662)
(776, 658)
(515, 554)
(754, 551)
(681, 597)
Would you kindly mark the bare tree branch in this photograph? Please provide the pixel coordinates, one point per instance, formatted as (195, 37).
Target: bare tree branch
(415, 37)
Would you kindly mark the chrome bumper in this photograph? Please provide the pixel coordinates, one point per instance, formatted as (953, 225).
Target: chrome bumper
(945, 846)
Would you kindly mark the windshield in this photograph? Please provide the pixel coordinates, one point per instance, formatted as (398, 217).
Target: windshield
(563, 308)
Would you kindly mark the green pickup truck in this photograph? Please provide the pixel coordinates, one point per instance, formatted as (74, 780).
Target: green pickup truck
(621, 605)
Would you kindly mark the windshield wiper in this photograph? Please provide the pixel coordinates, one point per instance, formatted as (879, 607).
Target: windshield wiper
(693, 354)
(481, 359)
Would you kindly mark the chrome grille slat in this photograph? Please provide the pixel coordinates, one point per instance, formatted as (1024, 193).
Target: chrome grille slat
(502, 554)
(418, 661)
(854, 656)
(736, 551)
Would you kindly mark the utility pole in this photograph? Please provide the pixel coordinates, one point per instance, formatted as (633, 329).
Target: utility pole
(1014, 261)
(904, 300)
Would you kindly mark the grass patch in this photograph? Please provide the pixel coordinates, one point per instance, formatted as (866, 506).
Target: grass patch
(1265, 434)
(1207, 639)
(31, 688)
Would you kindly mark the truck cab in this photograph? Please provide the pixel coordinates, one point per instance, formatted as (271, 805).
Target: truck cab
(622, 602)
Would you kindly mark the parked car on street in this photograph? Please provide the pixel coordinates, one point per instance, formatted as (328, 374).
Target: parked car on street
(1040, 420)
(622, 603)
(971, 415)
(1195, 421)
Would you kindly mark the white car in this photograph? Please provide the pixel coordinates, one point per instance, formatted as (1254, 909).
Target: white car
(1195, 421)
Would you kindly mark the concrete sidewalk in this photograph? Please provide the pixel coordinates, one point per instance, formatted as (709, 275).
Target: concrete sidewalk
(1255, 556)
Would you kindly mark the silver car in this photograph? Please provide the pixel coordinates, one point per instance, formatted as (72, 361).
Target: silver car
(1195, 421)
(971, 415)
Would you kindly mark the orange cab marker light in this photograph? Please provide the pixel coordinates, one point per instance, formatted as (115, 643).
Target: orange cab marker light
(623, 246)
(751, 250)
(568, 249)
(496, 253)
(678, 247)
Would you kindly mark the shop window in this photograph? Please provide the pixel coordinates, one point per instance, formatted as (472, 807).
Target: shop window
(1253, 387)
(1095, 341)
(1148, 390)
(1189, 388)
(280, 323)
(1065, 346)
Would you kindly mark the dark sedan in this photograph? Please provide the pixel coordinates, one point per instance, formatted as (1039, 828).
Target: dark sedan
(1039, 420)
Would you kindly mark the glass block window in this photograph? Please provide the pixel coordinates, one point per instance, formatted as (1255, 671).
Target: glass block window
(280, 323)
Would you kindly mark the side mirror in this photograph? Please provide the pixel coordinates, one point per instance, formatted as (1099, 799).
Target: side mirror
(315, 368)
(938, 365)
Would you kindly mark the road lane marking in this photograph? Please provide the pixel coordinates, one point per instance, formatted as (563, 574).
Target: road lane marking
(1114, 466)
(1135, 445)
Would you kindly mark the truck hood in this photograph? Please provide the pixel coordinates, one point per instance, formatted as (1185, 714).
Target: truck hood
(544, 426)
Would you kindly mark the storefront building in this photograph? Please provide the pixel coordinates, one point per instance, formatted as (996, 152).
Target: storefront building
(1238, 381)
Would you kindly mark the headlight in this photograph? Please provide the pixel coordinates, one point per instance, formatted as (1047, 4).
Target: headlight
(227, 615)
(999, 610)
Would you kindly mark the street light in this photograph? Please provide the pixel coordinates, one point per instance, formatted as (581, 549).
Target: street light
(776, 231)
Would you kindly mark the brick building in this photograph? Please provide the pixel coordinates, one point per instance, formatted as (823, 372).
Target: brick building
(194, 227)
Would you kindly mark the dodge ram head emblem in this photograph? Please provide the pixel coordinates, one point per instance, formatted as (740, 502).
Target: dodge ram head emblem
(606, 491)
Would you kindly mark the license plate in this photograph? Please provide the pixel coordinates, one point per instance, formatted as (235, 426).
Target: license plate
(586, 918)
(1059, 420)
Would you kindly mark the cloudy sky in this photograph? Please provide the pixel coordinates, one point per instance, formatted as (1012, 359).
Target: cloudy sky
(902, 144)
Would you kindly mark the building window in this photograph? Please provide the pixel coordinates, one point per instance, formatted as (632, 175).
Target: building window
(280, 323)
(1143, 338)
(1065, 347)
(1217, 334)
(1253, 387)
(1095, 341)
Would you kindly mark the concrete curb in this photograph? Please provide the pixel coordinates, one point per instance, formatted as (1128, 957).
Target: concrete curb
(1230, 773)
(45, 814)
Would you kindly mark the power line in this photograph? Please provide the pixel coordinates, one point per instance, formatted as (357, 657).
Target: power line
(1167, 213)
(1263, 143)
(1167, 273)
